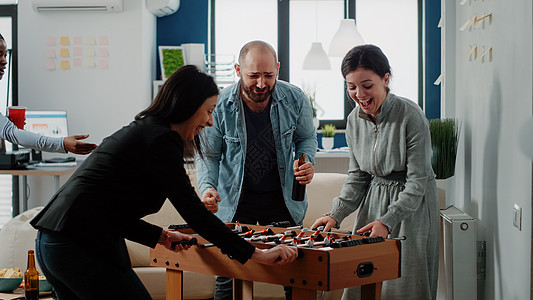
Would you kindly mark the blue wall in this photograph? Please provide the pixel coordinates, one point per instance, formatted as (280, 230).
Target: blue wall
(432, 58)
(188, 25)
(339, 140)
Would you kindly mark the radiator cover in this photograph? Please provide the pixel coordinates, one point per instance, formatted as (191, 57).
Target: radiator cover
(458, 255)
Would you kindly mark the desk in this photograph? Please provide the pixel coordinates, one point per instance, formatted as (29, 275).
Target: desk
(35, 171)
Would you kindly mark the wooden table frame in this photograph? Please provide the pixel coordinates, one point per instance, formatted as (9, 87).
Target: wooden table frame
(243, 289)
(323, 269)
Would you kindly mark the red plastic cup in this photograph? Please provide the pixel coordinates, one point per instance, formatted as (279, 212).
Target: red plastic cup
(17, 115)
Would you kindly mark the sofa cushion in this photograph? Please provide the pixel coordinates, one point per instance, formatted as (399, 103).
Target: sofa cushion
(17, 236)
(320, 193)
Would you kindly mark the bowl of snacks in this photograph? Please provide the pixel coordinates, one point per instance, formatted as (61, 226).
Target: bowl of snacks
(10, 279)
(44, 285)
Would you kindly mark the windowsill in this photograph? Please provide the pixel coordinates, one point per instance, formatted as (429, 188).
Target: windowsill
(333, 153)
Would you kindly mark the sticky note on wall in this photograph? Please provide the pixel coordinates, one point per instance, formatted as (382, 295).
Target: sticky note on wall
(102, 64)
(51, 41)
(51, 53)
(89, 51)
(77, 62)
(50, 65)
(64, 41)
(89, 62)
(63, 52)
(78, 51)
(103, 52)
(89, 40)
(65, 65)
(103, 40)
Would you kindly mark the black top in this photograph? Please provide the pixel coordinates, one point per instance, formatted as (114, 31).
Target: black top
(261, 172)
(126, 178)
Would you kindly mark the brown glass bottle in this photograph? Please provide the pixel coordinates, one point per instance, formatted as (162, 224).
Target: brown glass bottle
(31, 279)
(298, 190)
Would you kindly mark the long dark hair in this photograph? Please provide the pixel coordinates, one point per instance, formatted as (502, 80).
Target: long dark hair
(366, 56)
(180, 97)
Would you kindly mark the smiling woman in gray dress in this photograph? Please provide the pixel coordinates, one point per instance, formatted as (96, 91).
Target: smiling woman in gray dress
(390, 177)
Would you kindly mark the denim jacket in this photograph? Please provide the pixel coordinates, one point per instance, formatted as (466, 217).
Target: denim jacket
(222, 167)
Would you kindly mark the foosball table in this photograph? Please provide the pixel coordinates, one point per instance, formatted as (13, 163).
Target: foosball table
(327, 261)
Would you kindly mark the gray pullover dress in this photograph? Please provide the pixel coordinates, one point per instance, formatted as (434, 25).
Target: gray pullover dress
(390, 179)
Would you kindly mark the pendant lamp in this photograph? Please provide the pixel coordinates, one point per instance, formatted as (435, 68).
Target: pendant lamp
(316, 58)
(346, 37)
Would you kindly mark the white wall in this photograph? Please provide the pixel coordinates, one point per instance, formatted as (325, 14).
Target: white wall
(493, 99)
(98, 101)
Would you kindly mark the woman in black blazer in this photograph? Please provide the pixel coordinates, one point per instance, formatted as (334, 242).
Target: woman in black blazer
(80, 244)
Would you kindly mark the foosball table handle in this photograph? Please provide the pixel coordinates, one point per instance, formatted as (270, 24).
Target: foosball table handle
(300, 254)
(190, 242)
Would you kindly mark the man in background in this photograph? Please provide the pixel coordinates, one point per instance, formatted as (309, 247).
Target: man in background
(248, 168)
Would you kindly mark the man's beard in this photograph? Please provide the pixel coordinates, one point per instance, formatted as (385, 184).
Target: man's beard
(257, 98)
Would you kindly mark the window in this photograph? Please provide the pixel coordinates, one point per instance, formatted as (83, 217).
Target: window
(317, 21)
(390, 24)
(395, 31)
(240, 21)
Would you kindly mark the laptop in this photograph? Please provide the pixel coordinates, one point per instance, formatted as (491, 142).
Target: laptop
(49, 123)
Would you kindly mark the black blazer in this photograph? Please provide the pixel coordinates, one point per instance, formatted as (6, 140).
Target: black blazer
(126, 178)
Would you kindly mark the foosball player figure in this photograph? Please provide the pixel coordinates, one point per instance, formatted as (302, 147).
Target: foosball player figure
(247, 234)
(328, 239)
(299, 237)
(365, 234)
(281, 239)
(267, 231)
(286, 235)
(238, 227)
(317, 236)
(311, 241)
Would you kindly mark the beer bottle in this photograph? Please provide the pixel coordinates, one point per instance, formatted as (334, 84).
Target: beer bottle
(31, 279)
(298, 190)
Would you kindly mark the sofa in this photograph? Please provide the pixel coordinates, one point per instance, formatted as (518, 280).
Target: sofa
(17, 236)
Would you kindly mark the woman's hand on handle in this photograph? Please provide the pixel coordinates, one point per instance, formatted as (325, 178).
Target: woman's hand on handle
(168, 237)
(326, 221)
(278, 255)
(376, 228)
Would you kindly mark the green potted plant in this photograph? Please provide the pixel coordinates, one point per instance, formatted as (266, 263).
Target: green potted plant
(328, 133)
(444, 142)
